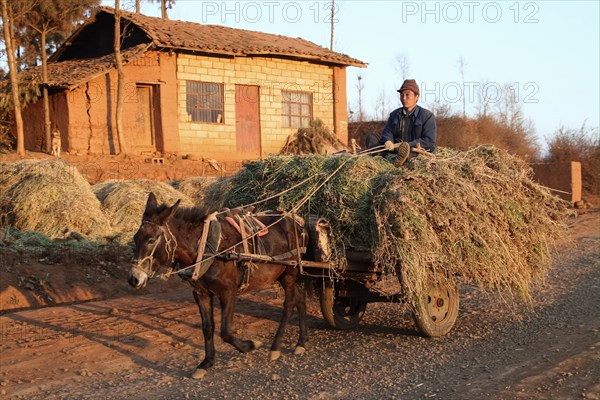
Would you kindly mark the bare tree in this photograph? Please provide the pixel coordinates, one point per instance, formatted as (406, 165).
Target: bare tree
(483, 105)
(462, 64)
(402, 66)
(14, 81)
(383, 105)
(120, 80)
(360, 87)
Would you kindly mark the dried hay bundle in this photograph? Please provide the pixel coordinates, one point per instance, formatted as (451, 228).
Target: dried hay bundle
(50, 197)
(194, 187)
(124, 202)
(316, 139)
(474, 214)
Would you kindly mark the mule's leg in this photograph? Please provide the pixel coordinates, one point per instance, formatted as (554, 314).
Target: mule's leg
(303, 329)
(228, 300)
(288, 281)
(205, 304)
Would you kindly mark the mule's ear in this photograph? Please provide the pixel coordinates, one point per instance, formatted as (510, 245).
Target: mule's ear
(164, 216)
(151, 203)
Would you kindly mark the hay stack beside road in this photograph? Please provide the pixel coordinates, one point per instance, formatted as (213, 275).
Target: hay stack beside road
(476, 214)
(50, 197)
(124, 202)
(194, 187)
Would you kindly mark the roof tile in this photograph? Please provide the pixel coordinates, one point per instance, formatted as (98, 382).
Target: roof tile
(220, 39)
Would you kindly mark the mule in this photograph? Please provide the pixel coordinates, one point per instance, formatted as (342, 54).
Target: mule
(168, 237)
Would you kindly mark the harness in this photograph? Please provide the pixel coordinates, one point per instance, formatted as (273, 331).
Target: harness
(251, 229)
(170, 248)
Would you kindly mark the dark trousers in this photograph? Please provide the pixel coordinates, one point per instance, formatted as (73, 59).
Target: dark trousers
(372, 140)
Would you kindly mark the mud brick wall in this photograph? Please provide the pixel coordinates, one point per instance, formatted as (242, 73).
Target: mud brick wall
(85, 115)
(563, 177)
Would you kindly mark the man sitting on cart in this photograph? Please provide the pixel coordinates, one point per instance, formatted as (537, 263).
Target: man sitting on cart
(408, 128)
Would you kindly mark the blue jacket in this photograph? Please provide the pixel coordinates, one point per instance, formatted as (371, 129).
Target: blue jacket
(421, 129)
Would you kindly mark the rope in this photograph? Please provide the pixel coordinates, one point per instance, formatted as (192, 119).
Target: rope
(303, 201)
(277, 194)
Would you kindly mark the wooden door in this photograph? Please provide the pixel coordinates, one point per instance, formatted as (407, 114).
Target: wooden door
(247, 121)
(144, 119)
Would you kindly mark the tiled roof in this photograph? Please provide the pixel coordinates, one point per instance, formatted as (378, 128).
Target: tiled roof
(217, 39)
(190, 36)
(72, 73)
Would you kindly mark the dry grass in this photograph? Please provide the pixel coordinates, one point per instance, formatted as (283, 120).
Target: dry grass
(124, 203)
(50, 197)
(316, 139)
(475, 214)
(194, 188)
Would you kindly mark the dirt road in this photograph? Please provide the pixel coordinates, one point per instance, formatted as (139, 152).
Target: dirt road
(145, 347)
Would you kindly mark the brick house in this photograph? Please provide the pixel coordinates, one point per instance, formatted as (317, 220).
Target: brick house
(208, 90)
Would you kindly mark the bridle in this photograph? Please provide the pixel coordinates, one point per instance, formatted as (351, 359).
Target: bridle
(170, 247)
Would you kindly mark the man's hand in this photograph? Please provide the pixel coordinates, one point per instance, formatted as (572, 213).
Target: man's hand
(389, 146)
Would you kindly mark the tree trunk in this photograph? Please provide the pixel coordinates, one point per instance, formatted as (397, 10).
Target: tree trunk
(12, 68)
(163, 9)
(47, 124)
(120, 81)
(138, 6)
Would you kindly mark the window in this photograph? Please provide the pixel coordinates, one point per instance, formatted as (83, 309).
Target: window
(296, 109)
(204, 101)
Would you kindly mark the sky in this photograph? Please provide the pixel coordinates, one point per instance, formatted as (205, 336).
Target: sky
(545, 52)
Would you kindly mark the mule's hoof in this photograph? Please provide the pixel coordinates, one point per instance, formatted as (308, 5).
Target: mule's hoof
(299, 350)
(257, 344)
(275, 355)
(199, 373)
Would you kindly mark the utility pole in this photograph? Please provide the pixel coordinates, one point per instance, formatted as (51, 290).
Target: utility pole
(332, 24)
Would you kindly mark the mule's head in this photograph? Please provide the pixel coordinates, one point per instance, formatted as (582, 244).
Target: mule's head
(154, 242)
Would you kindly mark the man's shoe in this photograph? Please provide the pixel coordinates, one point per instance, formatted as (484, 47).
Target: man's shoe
(403, 153)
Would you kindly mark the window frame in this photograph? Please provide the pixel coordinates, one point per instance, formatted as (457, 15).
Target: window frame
(288, 98)
(204, 104)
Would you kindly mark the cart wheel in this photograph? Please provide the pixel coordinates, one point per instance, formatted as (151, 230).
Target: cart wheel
(341, 313)
(436, 312)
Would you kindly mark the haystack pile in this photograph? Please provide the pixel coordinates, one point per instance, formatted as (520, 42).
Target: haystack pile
(194, 187)
(124, 202)
(315, 139)
(475, 214)
(50, 197)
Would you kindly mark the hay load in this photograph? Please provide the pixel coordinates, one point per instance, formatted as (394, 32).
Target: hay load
(475, 214)
(50, 197)
(194, 187)
(124, 203)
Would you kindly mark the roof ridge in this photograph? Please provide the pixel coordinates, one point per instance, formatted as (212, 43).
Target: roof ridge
(221, 39)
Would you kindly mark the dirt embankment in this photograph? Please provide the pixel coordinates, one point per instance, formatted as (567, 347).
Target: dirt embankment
(100, 168)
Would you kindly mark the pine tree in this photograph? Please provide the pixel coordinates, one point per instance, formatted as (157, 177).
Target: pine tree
(12, 67)
(58, 17)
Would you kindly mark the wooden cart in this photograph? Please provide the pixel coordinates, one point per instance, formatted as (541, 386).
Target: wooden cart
(344, 295)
